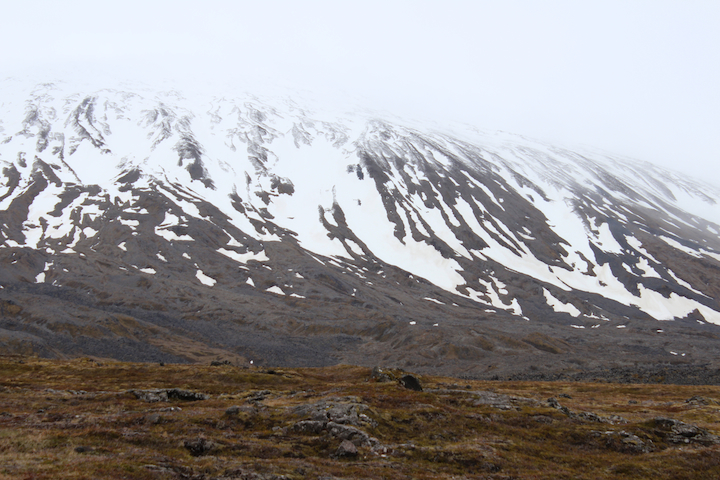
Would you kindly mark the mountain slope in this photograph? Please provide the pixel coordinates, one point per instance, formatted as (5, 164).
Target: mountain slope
(145, 225)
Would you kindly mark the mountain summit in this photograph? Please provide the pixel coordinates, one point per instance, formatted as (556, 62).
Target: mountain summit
(150, 226)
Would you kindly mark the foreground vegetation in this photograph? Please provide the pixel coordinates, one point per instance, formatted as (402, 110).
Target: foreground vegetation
(85, 419)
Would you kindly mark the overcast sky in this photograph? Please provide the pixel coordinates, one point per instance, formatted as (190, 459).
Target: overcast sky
(637, 78)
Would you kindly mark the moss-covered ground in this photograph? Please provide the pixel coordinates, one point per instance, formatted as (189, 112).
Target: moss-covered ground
(80, 419)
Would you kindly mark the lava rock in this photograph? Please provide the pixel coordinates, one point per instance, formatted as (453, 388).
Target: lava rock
(411, 382)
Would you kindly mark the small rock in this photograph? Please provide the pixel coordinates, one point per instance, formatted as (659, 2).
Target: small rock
(380, 376)
(257, 397)
(633, 443)
(616, 420)
(163, 394)
(199, 446)
(585, 416)
(698, 400)
(154, 419)
(241, 474)
(234, 410)
(564, 395)
(347, 432)
(626, 442)
(219, 363)
(309, 426)
(543, 419)
(186, 395)
(249, 409)
(496, 400)
(346, 449)
(83, 449)
(238, 409)
(411, 382)
(151, 396)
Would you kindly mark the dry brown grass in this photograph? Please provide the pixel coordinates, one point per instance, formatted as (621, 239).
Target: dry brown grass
(77, 419)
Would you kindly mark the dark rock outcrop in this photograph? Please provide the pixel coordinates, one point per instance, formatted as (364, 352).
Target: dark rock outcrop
(411, 382)
(677, 432)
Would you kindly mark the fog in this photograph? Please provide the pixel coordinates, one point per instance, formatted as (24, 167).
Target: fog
(636, 78)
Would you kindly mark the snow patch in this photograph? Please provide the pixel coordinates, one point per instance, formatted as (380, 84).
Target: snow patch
(130, 223)
(171, 236)
(204, 279)
(244, 257)
(433, 300)
(559, 306)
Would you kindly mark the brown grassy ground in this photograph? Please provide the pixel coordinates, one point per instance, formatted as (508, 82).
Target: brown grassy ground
(78, 419)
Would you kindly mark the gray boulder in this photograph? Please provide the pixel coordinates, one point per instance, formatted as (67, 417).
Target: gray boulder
(346, 449)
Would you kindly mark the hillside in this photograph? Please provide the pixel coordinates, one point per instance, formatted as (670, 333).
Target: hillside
(148, 225)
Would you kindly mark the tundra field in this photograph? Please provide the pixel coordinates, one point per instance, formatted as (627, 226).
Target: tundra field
(87, 418)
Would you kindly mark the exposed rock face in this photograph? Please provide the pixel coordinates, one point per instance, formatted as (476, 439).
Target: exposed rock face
(147, 227)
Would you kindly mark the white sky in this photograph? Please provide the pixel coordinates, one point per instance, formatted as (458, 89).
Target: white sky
(637, 78)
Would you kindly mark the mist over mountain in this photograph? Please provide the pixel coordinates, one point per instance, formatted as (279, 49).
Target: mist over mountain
(152, 225)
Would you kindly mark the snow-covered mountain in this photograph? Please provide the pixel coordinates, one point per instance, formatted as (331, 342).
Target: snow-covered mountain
(139, 224)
